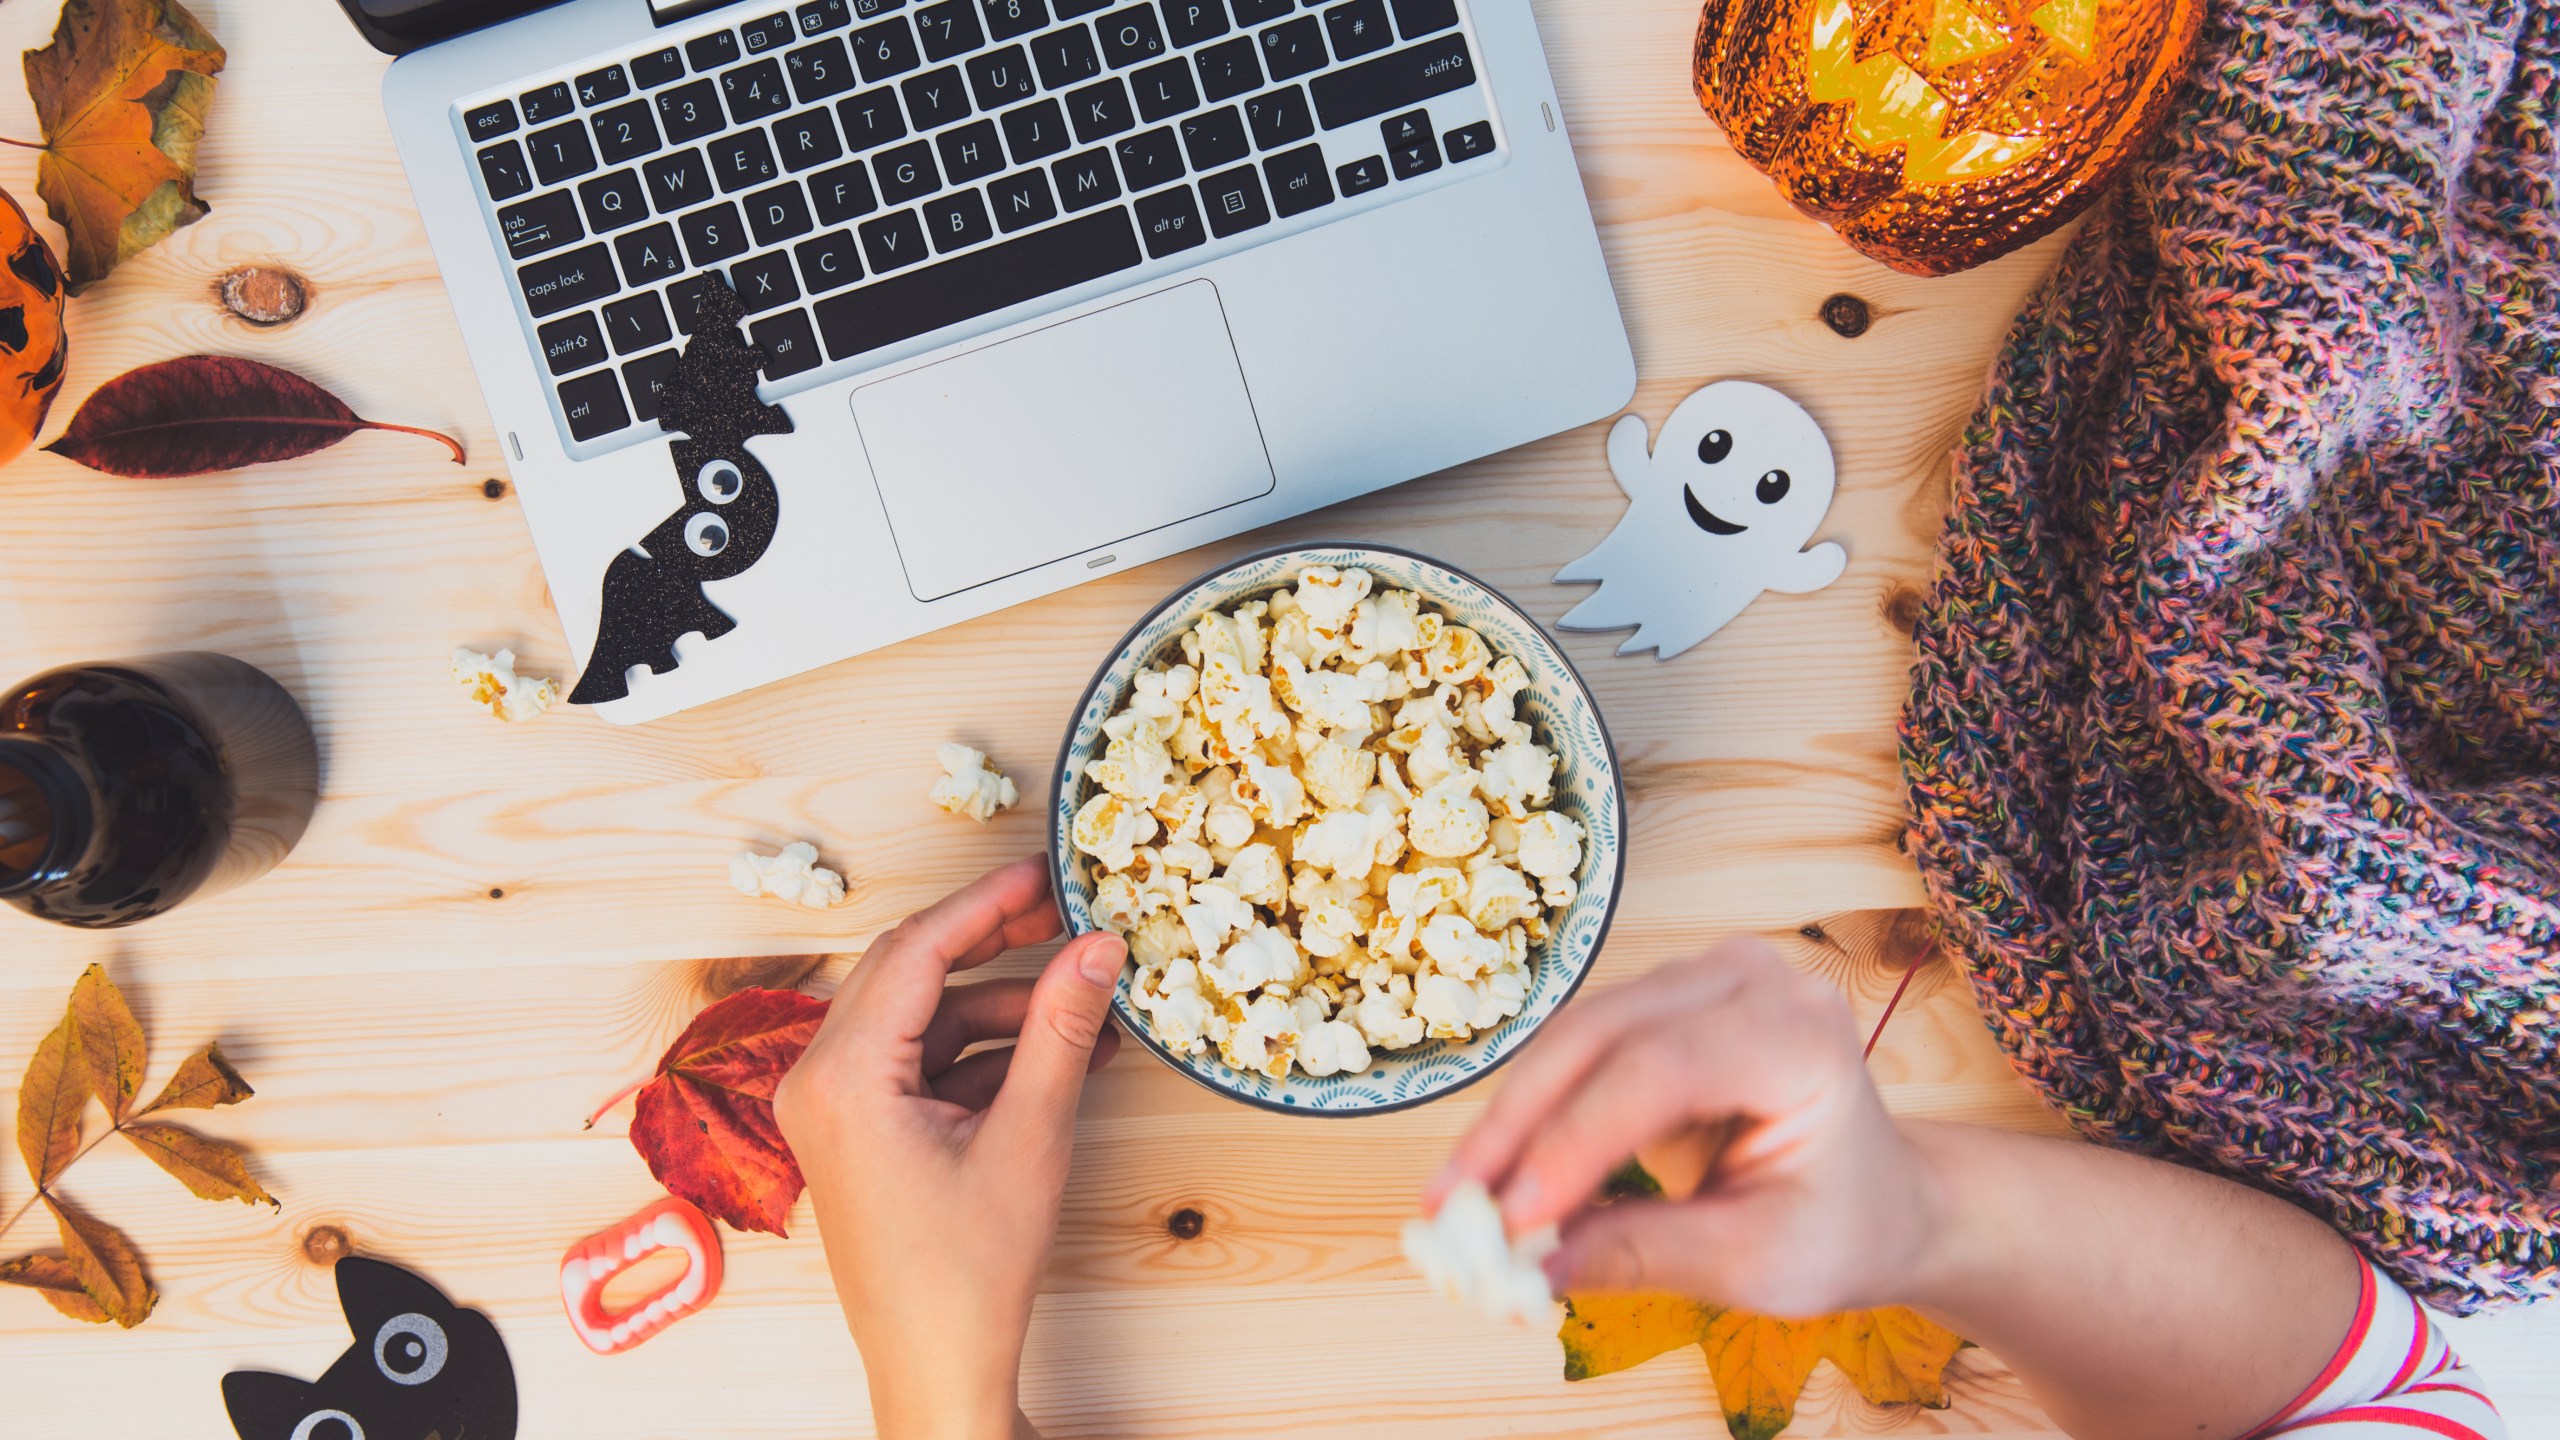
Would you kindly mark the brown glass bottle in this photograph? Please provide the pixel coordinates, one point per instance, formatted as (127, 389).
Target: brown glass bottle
(129, 787)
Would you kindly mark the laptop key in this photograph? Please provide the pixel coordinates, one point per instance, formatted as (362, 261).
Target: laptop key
(1250, 13)
(764, 283)
(568, 280)
(870, 120)
(956, 221)
(1035, 131)
(1468, 141)
(1393, 81)
(1361, 175)
(948, 29)
(545, 222)
(593, 406)
(679, 181)
(842, 193)
(1086, 180)
(1076, 9)
(1000, 77)
(548, 103)
(778, 214)
(1410, 128)
(490, 121)
(970, 152)
(1099, 110)
(874, 9)
(1357, 29)
(572, 343)
(646, 378)
(659, 67)
(1293, 49)
(891, 242)
(1213, 138)
(886, 49)
(1417, 18)
(1066, 57)
(980, 282)
(770, 33)
(650, 255)
(712, 234)
(1233, 199)
(684, 299)
(603, 87)
(1164, 89)
(1022, 200)
(789, 343)
(807, 139)
(1130, 36)
(1297, 180)
(1279, 118)
(689, 112)
(612, 202)
(820, 16)
(936, 97)
(1227, 69)
(829, 262)
(710, 52)
(1420, 158)
(503, 172)
(756, 92)
(638, 323)
(905, 173)
(625, 132)
(742, 160)
(561, 152)
(1170, 222)
(820, 71)
(1012, 19)
(1189, 22)
(1150, 160)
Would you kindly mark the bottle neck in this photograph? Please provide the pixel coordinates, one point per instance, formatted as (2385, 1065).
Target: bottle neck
(45, 816)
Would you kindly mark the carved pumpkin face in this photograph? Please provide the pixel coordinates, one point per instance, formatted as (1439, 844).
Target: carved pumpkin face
(1937, 134)
(32, 347)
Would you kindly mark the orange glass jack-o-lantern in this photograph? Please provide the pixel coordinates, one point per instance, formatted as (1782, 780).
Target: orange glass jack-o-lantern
(32, 345)
(1937, 134)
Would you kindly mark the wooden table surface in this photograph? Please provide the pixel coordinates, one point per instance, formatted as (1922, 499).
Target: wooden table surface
(491, 929)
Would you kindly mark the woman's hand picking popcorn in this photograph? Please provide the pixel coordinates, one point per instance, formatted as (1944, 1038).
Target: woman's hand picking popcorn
(936, 1178)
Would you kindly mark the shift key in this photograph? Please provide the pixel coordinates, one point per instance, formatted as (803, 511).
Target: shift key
(1398, 81)
(561, 282)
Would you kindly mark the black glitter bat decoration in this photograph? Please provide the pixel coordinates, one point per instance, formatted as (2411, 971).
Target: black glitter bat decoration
(653, 591)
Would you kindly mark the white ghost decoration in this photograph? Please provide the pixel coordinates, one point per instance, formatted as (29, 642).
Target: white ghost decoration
(1718, 512)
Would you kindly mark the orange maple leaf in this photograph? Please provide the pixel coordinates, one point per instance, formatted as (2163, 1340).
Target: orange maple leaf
(121, 96)
(1759, 1365)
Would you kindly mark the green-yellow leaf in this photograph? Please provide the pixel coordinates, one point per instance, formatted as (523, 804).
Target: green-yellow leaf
(204, 1080)
(1760, 1365)
(106, 1265)
(213, 1170)
(51, 1277)
(110, 1050)
(1604, 1334)
(121, 95)
(50, 1100)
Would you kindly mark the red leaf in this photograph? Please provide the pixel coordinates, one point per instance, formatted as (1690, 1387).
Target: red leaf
(705, 1123)
(202, 413)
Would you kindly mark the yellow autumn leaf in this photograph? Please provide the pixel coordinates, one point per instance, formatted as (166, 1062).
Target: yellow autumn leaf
(1894, 1356)
(50, 1100)
(110, 1040)
(51, 1277)
(106, 1265)
(213, 1170)
(1604, 1334)
(204, 1080)
(120, 95)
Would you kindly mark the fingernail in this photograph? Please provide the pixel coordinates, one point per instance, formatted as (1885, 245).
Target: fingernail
(1100, 962)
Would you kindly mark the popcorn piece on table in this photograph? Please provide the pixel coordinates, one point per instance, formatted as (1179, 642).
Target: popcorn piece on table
(794, 875)
(1465, 1255)
(970, 786)
(492, 681)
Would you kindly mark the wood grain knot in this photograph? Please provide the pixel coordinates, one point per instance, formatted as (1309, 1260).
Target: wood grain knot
(264, 295)
(756, 972)
(1812, 932)
(1902, 605)
(1186, 1224)
(494, 489)
(1909, 938)
(497, 894)
(326, 1244)
(1848, 315)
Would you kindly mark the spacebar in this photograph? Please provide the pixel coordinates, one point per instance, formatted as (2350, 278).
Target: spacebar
(917, 302)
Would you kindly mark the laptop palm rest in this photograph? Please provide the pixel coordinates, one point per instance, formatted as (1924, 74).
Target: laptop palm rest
(1062, 441)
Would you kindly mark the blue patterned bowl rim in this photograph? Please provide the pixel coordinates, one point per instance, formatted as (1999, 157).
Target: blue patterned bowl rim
(1465, 1063)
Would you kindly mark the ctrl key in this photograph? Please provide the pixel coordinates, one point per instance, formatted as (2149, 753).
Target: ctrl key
(593, 405)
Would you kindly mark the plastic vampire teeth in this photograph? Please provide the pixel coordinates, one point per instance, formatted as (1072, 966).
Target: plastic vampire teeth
(670, 1224)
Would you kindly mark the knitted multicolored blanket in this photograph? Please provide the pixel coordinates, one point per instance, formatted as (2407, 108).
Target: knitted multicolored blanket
(2234, 743)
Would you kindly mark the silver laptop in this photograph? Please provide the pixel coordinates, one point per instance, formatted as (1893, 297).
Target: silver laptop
(1042, 289)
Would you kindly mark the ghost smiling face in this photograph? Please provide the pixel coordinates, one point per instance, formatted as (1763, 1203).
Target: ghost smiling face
(1719, 511)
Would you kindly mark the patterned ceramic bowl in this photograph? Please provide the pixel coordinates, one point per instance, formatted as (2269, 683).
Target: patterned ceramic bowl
(1586, 788)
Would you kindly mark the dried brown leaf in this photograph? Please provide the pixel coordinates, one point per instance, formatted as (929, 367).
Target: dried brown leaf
(204, 1080)
(213, 1170)
(121, 95)
(50, 1100)
(51, 1277)
(106, 1265)
(110, 1050)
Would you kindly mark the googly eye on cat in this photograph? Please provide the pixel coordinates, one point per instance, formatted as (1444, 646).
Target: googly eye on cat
(418, 1367)
(1719, 509)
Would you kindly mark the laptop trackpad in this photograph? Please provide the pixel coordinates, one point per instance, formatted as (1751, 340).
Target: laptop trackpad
(1063, 440)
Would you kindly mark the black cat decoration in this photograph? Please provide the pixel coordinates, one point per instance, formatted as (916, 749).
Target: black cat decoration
(653, 591)
(421, 1368)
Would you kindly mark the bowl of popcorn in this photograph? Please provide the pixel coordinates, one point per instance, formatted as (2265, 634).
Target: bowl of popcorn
(1357, 818)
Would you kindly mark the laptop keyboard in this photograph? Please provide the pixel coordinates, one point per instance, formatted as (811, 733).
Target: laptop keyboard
(866, 173)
